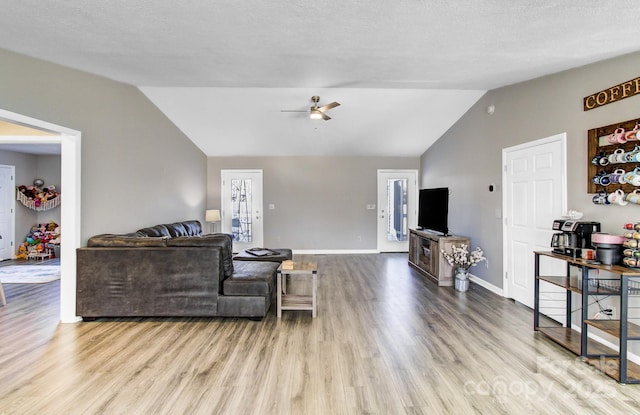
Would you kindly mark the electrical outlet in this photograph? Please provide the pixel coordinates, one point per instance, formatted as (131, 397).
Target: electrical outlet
(610, 311)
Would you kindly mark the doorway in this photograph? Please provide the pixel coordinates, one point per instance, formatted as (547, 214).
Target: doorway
(535, 193)
(397, 208)
(242, 207)
(69, 141)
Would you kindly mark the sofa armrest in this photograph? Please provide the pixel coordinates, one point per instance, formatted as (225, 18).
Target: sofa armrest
(220, 240)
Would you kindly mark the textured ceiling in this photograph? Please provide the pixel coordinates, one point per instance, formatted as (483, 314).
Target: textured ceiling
(442, 45)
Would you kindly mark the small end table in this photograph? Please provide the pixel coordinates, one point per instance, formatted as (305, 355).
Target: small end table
(3, 299)
(297, 302)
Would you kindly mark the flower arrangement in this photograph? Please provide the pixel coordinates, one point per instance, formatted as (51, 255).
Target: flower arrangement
(459, 257)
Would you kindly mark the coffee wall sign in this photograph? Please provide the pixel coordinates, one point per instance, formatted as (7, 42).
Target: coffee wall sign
(613, 94)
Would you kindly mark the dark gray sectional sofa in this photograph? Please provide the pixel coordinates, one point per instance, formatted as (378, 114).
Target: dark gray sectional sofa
(170, 270)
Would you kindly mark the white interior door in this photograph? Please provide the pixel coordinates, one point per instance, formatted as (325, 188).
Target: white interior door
(397, 208)
(534, 183)
(242, 207)
(7, 211)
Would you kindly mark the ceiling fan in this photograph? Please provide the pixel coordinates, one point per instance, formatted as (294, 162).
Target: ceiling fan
(316, 112)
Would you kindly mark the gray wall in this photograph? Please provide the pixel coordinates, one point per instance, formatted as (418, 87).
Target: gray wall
(468, 157)
(138, 169)
(320, 201)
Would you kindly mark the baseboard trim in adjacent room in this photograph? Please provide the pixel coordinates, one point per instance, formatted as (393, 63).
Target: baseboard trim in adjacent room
(487, 285)
(335, 251)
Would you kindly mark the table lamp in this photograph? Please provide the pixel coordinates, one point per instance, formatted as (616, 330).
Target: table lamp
(212, 216)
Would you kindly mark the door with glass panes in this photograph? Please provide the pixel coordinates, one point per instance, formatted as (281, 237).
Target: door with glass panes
(397, 208)
(241, 214)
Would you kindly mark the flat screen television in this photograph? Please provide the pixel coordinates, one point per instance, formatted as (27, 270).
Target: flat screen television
(433, 209)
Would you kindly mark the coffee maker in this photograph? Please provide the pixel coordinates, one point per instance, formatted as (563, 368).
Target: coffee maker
(574, 236)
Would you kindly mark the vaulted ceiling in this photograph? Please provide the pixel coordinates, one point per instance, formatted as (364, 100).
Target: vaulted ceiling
(403, 70)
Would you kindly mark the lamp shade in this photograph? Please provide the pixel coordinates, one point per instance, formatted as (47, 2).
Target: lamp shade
(212, 215)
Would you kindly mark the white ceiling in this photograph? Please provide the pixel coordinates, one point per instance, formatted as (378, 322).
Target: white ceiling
(388, 62)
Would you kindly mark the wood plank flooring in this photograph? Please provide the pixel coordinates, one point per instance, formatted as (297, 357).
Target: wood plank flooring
(385, 341)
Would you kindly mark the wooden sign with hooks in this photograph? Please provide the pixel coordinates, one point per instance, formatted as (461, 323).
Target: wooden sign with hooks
(598, 143)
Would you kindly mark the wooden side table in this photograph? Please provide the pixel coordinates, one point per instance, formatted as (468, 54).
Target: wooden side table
(297, 302)
(3, 299)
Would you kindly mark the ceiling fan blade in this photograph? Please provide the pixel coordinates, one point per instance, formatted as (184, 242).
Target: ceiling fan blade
(325, 116)
(329, 106)
(294, 110)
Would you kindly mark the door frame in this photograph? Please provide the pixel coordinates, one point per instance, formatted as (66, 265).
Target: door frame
(411, 220)
(70, 212)
(13, 212)
(562, 139)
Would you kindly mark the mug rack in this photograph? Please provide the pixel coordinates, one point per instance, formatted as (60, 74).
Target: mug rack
(599, 144)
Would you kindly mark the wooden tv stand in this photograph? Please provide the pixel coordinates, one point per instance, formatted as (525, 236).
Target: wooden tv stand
(426, 258)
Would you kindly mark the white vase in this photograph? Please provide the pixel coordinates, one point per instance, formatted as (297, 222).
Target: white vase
(462, 279)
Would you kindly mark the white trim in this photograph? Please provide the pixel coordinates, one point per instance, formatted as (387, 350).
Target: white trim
(412, 219)
(484, 284)
(616, 347)
(12, 245)
(70, 141)
(335, 251)
(562, 138)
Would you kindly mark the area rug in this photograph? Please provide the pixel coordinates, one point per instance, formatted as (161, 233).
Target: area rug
(29, 274)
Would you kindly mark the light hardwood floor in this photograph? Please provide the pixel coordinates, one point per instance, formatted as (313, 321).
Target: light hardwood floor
(385, 341)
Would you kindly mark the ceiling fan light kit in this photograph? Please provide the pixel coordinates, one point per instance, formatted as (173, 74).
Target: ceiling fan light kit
(316, 112)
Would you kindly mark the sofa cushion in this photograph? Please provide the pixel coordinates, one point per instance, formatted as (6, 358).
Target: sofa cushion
(158, 230)
(282, 255)
(224, 241)
(124, 241)
(176, 229)
(251, 278)
(193, 227)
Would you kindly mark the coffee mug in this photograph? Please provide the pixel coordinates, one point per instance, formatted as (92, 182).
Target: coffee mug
(634, 197)
(628, 234)
(617, 136)
(617, 198)
(632, 262)
(617, 176)
(617, 156)
(628, 252)
(604, 160)
(635, 180)
(628, 226)
(596, 159)
(630, 243)
(628, 176)
(633, 134)
(630, 156)
(598, 177)
(600, 199)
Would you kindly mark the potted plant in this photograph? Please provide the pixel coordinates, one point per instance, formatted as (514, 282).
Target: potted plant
(461, 259)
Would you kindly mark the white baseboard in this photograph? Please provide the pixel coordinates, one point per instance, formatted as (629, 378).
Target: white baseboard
(486, 285)
(334, 251)
(631, 356)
